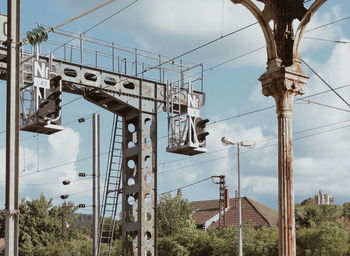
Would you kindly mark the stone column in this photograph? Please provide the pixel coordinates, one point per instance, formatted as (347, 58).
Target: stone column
(283, 85)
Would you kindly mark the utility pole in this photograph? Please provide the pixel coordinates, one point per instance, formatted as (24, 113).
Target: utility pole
(283, 80)
(12, 129)
(222, 200)
(96, 180)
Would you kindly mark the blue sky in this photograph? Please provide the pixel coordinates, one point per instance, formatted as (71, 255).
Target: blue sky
(172, 28)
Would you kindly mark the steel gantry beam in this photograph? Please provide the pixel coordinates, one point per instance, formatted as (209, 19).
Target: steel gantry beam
(283, 80)
(138, 101)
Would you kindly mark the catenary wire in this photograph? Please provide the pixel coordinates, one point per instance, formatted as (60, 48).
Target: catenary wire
(324, 81)
(99, 23)
(179, 56)
(328, 40)
(264, 140)
(86, 158)
(186, 186)
(248, 151)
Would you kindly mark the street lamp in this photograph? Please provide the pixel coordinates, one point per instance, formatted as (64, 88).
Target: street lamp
(227, 141)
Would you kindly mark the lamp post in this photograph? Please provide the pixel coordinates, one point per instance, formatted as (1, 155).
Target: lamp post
(227, 142)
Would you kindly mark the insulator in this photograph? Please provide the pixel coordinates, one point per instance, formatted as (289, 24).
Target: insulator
(66, 182)
(82, 174)
(81, 205)
(81, 120)
(37, 35)
(65, 196)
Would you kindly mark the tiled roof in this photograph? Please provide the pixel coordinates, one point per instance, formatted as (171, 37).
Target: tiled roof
(252, 212)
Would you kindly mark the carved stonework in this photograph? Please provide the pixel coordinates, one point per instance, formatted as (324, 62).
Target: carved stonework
(283, 85)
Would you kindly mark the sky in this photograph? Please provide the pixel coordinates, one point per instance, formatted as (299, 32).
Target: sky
(233, 98)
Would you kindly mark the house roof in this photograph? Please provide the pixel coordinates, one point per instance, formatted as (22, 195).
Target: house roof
(252, 212)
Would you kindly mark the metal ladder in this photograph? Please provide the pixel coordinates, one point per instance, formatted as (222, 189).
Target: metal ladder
(112, 189)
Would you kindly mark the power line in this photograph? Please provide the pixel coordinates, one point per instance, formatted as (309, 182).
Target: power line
(325, 105)
(328, 40)
(248, 151)
(76, 17)
(324, 81)
(264, 140)
(179, 56)
(328, 24)
(99, 23)
(57, 166)
(316, 28)
(186, 186)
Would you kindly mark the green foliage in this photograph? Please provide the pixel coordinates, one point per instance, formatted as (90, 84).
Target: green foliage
(170, 247)
(314, 215)
(326, 239)
(66, 248)
(40, 225)
(346, 211)
(174, 215)
(261, 241)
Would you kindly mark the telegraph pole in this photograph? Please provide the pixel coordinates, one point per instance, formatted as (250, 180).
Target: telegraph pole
(96, 180)
(283, 80)
(12, 129)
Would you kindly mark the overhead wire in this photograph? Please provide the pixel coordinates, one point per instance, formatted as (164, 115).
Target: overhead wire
(325, 105)
(86, 158)
(257, 142)
(328, 40)
(186, 186)
(248, 151)
(99, 23)
(57, 166)
(181, 55)
(328, 24)
(52, 28)
(324, 81)
(178, 56)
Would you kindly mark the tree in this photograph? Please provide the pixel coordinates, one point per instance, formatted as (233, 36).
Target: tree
(261, 241)
(41, 225)
(346, 211)
(314, 214)
(167, 246)
(174, 215)
(326, 239)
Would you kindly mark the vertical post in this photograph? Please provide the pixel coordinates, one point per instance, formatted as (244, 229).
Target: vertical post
(136, 62)
(113, 57)
(12, 129)
(96, 180)
(240, 235)
(283, 85)
(96, 59)
(81, 49)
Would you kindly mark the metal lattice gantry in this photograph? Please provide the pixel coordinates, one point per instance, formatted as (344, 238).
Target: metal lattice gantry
(132, 84)
(283, 80)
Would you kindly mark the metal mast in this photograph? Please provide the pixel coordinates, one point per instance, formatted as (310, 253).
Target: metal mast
(96, 180)
(283, 80)
(12, 129)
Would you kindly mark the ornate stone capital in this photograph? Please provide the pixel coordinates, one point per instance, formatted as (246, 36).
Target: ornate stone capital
(283, 84)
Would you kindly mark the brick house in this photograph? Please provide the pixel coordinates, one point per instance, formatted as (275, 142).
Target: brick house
(206, 213)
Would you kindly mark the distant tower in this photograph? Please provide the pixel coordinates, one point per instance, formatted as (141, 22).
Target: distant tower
(323, 198)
